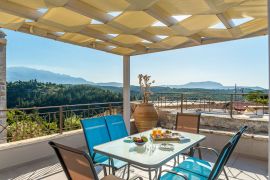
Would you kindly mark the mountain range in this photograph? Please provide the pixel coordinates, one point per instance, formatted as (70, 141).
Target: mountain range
(26, 74)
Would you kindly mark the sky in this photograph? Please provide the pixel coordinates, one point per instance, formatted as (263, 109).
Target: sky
(241, 62)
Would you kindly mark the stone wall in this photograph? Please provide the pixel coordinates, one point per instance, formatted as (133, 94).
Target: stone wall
(3, 101)
(167, 119)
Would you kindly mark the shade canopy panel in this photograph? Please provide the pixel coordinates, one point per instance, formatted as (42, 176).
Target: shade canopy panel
(133, 27)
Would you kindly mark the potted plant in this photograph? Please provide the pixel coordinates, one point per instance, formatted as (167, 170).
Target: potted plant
(145, 114)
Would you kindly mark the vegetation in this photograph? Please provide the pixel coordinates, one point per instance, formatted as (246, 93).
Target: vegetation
(24, 124)
(33, 93)
(258, 97)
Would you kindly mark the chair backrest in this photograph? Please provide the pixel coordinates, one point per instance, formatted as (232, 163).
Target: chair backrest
(76, 164)
(225, 154)
(235, 139)
(116, 126)
(188, 122)
(95, 132)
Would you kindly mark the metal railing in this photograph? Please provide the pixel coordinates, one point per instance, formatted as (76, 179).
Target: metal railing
(210, 102)
(25, 123)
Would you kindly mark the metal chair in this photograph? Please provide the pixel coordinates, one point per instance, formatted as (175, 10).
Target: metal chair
(194, 168)
(116, 126)
(77, 165)
(117, 130)
(187, 122)
(96, 133)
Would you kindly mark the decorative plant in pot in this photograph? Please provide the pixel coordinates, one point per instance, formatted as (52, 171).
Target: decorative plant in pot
(145, 114)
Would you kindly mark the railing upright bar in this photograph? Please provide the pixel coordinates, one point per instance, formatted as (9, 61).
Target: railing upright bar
(231, 106)
(110, 109)
(182, 100)
(209, 104)
(60, 119)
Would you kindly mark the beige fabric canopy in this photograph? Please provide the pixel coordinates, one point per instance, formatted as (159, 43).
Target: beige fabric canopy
(131, 27)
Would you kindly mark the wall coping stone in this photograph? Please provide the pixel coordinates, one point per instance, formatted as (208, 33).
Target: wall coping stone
(17, 144)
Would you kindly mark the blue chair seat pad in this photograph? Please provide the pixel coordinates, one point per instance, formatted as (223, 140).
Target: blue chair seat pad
(196, 166)
(189, 174)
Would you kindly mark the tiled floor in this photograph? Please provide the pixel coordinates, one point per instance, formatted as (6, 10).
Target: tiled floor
(238, 168)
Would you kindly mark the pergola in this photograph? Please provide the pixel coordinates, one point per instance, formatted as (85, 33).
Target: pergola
(131, 27)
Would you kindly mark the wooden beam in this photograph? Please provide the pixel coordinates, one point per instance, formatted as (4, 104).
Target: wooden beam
(26, 29)
(205, 42)
(18, 10)
(226, 20)
(161, 15)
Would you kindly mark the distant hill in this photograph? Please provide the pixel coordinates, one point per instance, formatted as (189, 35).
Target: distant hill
(113, 84)
(27, 74)
(209, 85)
(200, 85)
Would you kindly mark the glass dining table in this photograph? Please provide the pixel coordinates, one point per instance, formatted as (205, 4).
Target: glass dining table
(152, 155)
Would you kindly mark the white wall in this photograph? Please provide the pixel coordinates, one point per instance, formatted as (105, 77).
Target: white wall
(248, 145)
(15, 153)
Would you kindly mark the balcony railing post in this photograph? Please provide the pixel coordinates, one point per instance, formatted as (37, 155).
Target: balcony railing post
(61, 123)
(182, 100)
(209, 104)
(110, 109)
(231, 106)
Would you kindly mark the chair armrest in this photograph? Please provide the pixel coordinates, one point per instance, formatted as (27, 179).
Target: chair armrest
(207, 148)
(176, 173)
(136, 177)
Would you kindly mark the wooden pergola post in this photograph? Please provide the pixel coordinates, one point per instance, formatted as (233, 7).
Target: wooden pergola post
(3, 91)
(126, 91)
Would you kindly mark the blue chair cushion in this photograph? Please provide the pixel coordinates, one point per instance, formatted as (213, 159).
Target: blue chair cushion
(116, 126)
(190, 175)
(196, 166)
(99, 158)
(95, 131)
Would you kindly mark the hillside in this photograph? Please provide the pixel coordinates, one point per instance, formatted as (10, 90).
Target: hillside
(33, 93)
(27, 74)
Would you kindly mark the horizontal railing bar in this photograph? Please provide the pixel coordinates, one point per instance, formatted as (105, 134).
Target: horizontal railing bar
(74, 105)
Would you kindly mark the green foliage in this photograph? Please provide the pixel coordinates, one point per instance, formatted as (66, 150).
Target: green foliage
(72, 123)
(257, 97)
(23, 126)
(33, 93)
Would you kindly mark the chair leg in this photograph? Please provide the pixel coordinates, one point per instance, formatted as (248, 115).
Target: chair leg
(109, 166)
(105, 171)
(128, 170)
(124, 172)
(149, 173)
(199, 152)
(225, 173)
(159, 173)
(112, 166)
(191, 152)
(178, 159)
(174, 162)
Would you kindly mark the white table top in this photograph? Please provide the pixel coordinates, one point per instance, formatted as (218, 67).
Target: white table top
(149, 155)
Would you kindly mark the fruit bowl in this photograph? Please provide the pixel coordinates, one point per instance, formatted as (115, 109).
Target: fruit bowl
(140, 141)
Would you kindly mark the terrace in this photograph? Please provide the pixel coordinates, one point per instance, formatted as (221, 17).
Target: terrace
(24, 150)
